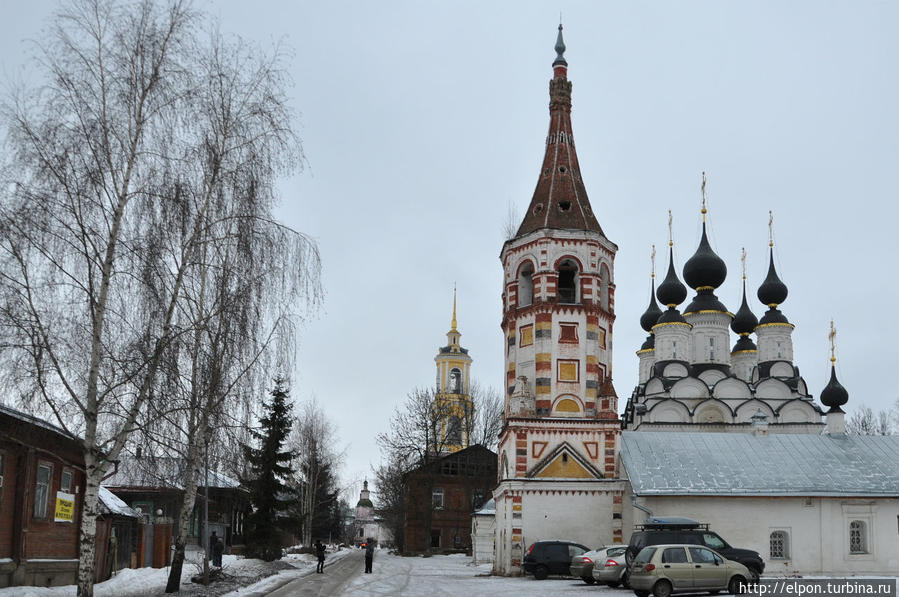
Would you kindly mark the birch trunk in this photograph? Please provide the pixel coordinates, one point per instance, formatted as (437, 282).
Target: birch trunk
(191, 476)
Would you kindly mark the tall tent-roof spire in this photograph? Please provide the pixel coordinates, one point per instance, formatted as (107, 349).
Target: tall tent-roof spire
(453, 322)
(560, 198)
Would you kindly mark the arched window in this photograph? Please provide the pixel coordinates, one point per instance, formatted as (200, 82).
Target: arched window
(455, 381)
(604, 282)
(858, 537)
(567, 284)
(779, 545)
(526, 285)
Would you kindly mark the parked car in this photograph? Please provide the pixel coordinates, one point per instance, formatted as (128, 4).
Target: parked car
(582, 564)
(685, 568)
(611, 569)
(551, 557)
(657, 531)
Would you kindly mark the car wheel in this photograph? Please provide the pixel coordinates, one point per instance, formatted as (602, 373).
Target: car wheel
(736, 585)
(641, 593)
(662, 589)
(613, 583)
(588, 579)
(626, 578)
(541, 572)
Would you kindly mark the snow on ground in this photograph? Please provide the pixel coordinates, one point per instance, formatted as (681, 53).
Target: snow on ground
(150, 582)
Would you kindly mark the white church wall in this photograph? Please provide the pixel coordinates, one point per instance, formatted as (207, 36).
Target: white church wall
(817, 529)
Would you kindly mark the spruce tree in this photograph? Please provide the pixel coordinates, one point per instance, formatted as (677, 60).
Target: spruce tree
(269, 469)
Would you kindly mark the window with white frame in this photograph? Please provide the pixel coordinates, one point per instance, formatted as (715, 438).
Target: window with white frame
(437, 498)
(42, 489)
(858, 537)
(779, 545)
(65, 481)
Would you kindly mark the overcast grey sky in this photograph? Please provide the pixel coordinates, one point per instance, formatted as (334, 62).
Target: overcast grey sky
(423, 121)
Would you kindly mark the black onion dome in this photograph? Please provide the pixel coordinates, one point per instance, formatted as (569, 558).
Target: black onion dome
(834, 395)
(705, 300)
(671, 315)
(671, 291)
(745, 320)
(649, 343)
(651, 315)
(773, 315)
(772, 292)
(744, 343)
(704, 269)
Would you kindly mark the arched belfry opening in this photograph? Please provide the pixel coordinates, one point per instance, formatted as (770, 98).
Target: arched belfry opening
(455, 381)
(526, 285)
(567, 284)
(604, 281)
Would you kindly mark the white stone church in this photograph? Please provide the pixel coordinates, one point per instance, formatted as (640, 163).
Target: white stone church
(728, 434)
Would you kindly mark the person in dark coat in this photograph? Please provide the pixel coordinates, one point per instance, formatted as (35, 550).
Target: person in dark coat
(369, 554)
(218, 547)
(320, 552)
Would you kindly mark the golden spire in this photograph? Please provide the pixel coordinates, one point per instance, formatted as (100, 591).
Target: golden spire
(703, 210)
(652, 259)
(670, 233)
(770, 228)
(832, 335)
(454, 309)
(743, 259)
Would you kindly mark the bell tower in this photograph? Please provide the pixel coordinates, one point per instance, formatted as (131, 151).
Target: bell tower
(561, 426)
(453, 399)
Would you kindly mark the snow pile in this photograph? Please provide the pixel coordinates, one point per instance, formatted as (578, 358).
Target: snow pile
(150, 582)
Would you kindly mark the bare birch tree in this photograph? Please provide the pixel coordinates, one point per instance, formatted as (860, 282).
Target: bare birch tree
(318, 461)
(140, 154)
(486, 416)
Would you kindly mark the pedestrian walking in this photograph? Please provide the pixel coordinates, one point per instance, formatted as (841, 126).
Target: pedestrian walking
(320, 552)
(369, 554)
(218, 547)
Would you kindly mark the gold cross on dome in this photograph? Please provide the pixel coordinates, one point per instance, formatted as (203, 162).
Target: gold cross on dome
(670, 233)
(703, 197)
(770, 228)
(832, 336)
(652, 259)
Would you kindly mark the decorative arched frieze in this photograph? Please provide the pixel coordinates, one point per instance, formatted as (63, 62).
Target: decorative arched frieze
(746, 410)
(689, 387)
(773, 389)
(731, 388)
(668, 411)
(798, 411)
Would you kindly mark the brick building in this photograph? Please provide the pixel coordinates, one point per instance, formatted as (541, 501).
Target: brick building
(441, 496)
(151, 486)
(41, 487)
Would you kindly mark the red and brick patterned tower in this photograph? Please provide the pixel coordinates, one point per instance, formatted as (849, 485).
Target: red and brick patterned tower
(557, 449)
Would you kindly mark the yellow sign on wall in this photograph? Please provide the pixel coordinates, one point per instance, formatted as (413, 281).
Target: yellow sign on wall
(65, 507)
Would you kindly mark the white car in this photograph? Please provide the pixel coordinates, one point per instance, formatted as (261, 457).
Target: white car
(611, 568)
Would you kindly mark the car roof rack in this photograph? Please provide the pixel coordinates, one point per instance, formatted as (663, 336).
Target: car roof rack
(671, 523)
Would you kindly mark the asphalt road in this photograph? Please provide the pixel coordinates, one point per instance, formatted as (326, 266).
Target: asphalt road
(330, 584)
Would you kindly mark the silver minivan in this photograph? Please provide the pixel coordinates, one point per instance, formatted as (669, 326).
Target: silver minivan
(683, 568)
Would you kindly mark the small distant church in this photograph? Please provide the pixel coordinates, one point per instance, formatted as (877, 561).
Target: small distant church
(367, 524)
(727, 434)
